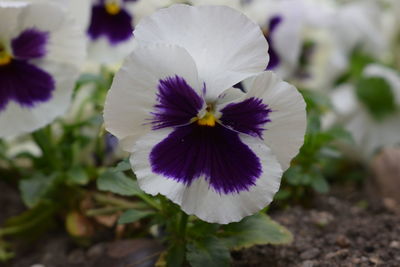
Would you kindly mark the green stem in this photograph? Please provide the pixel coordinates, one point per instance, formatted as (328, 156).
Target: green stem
(151, 202)
(183, 225)
(103, 211)
(12, 230)
(119, 202)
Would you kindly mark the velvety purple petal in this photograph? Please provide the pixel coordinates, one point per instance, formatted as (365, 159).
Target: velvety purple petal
(274, 59)
(116, 28)
(177, 103)
(216, 153)
(274, 22)
(30, 44)
(24, 83)
(248, 116)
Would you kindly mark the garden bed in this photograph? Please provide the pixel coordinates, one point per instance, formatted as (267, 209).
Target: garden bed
(343, 228)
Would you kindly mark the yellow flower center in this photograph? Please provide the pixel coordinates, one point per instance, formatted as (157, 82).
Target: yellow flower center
(5, 57)
(113, 7)
(208, 119)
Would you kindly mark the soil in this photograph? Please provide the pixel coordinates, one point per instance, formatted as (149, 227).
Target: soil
(344, 228)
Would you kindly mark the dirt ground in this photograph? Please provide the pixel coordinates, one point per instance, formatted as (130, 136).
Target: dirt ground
(344, 228)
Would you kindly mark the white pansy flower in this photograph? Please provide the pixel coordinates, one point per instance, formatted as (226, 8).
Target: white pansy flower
(217, 152)
(41, 50)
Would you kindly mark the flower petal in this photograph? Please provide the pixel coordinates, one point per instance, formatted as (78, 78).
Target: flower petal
(9, 13)
(133, 94)
(284, 133)
(215, 153)
(177, 103)
(199, 198)
(226, 46)
(117, 28)
(15, 119)
(30, 44)
(25, 84)
(66, 42)
(248, 116)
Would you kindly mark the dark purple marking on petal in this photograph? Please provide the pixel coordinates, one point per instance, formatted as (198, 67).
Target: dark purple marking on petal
(177, 103)
(248, 116)
(274, 59)
(216, 153)
(116, 28)
(30, 44)
(24, 83)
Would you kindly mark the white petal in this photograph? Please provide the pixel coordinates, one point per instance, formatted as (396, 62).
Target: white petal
(15, 120)
(285, 133)
(290, 28)
(101, 51)
(132, 96)
(67, 41)
(230, 3)
(9, 14)
(226, 46)
(344, 100)
(201, 200)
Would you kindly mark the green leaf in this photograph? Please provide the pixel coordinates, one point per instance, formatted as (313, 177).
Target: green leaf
(282, 194)
(358, 62)
(176, 254)
(320, 184)
(200, 229)
(35, 188)
(5, 253)
(342, 134)
(377, 96)
(210, 252)
(77, 176)
(258, 229)
(31, 222)
(295, 176)
(316, 101)
(118, 183)
(131, 216)
(122, 166)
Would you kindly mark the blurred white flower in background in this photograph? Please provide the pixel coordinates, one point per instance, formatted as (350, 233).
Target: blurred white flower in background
(370, 110)
(41, 53)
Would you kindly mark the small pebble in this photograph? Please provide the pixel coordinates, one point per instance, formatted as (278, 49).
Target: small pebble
(375, 260)
(77, 256)
(336, 253)
(309, 254)
(394, 244)
(307, 264)
(342, 241)
(96, 251)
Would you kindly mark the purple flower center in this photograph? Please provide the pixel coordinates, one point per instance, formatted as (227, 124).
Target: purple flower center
(111, 20)
(274, 59)
(206, 146)
(20, 79)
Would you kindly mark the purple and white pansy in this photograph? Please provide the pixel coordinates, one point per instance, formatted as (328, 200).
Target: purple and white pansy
(110, 30)
(214, 150)
(40, 54)
(280, 21)
(111, 19)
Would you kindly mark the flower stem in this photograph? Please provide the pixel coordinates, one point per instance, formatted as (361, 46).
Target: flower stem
(183, 225)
